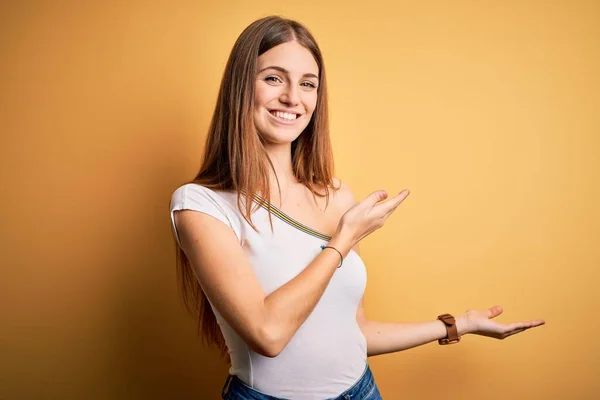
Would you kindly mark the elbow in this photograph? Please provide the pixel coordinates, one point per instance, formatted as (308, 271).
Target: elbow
(269, 351)
(269, 343)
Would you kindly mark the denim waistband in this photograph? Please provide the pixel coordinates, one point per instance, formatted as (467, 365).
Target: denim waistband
(364, 389)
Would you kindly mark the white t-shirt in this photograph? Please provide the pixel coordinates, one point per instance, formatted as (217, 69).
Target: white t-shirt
(328, 353)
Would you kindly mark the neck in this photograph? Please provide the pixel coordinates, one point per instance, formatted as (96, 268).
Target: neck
(281, 157)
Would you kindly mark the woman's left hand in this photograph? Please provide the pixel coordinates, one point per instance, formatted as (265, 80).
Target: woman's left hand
(480, 323)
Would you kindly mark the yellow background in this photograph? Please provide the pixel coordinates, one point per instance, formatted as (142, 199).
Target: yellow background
(486, 111)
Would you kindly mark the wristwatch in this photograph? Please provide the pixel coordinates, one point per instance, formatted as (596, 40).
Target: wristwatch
(452, 332)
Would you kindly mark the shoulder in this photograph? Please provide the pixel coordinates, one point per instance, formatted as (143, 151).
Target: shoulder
(197, 192)
(192, 187)
(201, 200)
(192, 196)
(343, 196)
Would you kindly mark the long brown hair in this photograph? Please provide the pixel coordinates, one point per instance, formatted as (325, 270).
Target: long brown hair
(234, 156)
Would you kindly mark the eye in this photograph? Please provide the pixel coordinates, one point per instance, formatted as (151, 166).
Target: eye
(309, 84)
(273, 79)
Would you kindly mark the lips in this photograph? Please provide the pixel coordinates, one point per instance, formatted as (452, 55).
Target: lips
(284, 115)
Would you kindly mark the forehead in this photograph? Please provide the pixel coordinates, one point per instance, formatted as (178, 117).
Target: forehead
(292, 56)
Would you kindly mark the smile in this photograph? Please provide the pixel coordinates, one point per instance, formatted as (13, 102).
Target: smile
(283, 117)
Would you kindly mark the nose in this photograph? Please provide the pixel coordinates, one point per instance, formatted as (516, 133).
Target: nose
(291, 95)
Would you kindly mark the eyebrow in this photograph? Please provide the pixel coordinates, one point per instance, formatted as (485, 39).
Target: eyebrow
(285, 71)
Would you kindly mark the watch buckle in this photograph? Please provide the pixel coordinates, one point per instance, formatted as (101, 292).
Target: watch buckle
(448, 341)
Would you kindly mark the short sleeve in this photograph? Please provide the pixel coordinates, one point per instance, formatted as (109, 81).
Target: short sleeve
(198, 198)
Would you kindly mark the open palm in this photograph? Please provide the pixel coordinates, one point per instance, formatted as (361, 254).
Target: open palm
(481, 323)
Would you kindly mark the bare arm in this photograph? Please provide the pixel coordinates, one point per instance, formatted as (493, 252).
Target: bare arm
(390, 337)
(267, 323)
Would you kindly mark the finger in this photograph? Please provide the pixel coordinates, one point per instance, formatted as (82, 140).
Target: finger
(522, 325)
(526, 324)
(514, 326)
(375, 198)
(390, 205)
(534, 323)
(494, 311)
(507, 334)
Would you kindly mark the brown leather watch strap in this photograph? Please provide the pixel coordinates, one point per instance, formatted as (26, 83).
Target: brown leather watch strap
(451, 331)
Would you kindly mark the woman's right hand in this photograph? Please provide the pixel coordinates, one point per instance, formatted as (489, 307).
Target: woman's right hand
(369, 215)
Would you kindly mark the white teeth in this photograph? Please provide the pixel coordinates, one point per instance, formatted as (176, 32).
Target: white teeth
(284, 115)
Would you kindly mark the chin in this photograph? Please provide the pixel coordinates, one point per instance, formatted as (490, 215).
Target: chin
(280, 135)
(272, 137)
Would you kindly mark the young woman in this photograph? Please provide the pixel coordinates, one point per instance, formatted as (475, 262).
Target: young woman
(268, 239)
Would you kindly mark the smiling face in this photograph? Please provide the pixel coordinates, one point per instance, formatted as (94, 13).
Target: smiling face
(285, 92)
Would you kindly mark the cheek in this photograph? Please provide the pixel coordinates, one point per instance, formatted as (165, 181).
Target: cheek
(311, 103)
(258, 96)
(264, 94)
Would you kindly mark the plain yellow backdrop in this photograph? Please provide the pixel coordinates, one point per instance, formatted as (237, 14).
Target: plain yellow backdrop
(486, 111)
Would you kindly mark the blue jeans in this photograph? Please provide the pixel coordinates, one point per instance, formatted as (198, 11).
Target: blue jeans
(364, 389)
